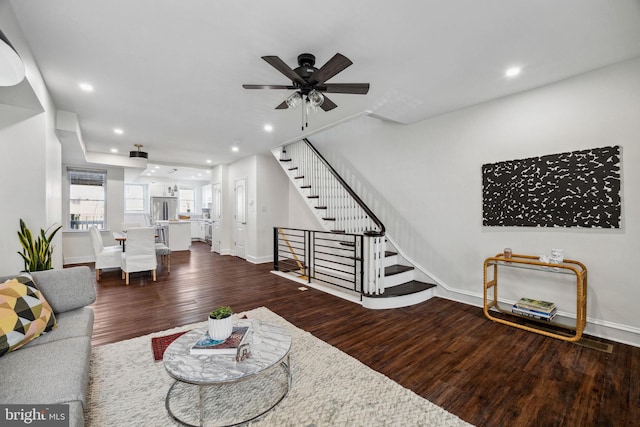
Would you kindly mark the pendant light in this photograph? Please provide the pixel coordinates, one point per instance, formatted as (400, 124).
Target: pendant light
(138, 154)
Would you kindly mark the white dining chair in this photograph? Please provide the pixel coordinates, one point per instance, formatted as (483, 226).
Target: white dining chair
(164, 253)
(106, 256)
(140, 252)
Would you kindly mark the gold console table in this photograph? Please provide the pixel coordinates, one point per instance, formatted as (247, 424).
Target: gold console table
(531, 262)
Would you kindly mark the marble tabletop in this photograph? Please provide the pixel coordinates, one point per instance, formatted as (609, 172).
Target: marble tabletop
(269, 345)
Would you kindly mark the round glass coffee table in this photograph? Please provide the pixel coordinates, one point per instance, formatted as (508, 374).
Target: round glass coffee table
(217, 387)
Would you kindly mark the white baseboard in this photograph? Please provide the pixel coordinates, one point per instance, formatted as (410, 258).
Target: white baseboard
(260, 260)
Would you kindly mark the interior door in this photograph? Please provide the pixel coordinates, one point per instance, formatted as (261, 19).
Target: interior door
(240, 217)
(216, 218)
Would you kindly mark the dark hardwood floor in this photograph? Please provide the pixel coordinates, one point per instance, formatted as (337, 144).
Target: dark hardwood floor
(487, 374)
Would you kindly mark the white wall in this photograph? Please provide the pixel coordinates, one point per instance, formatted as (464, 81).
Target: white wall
(424, 182)
(271, 207)
(30, 157)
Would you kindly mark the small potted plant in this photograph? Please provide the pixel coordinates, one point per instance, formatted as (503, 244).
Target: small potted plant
(221, 323)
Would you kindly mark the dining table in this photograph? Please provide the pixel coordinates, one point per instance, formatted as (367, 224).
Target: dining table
(121, 238)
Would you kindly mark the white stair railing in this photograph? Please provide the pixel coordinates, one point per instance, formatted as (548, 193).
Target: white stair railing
(337, 205)
(345, 210)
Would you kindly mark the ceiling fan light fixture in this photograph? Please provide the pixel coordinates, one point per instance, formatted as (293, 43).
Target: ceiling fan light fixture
(311, 109)
(294, 100)
(315, 98)
(11, 65)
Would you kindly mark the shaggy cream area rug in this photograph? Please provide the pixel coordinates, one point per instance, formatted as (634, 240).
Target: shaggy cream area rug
(330, 388)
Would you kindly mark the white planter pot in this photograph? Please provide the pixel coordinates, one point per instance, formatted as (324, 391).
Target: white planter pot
(220, 329)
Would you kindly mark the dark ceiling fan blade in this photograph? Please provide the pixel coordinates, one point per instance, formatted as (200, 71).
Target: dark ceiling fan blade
(354, 88)
(328, 104)
(281, 66)
(268, 87)
(333, 66)
(282, 106)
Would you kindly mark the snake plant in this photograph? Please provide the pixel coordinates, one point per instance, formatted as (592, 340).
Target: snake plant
(37, 253)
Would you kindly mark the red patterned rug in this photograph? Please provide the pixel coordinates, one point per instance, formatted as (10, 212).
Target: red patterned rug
(160, 344)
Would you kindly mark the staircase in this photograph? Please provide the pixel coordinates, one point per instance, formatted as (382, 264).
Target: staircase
(388, 280)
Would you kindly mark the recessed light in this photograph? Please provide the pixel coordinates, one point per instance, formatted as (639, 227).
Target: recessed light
(157, 167)
(114, 150)
(209, 161)
(118, 131)
(268, 128)
(512, 72)
(208, 171)
(86, 87)
(235, 148)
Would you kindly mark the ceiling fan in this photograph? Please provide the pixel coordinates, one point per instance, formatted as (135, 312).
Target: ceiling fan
(309, 81)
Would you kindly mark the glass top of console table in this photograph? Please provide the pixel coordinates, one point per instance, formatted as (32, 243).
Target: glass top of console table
(545, 268)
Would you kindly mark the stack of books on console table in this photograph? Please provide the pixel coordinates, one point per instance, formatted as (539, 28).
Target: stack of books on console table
(536, 309)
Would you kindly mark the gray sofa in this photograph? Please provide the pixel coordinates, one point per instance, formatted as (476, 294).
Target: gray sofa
(54, 368)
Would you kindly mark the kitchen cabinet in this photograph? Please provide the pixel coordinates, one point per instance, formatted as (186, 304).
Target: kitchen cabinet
(206, 196)
(194, 230)
(198, 229)
(157, 190)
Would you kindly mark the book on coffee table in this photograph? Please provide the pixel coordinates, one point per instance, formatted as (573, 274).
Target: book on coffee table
(207, 345)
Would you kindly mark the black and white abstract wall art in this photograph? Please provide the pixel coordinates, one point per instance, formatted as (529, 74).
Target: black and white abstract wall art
(576, 189)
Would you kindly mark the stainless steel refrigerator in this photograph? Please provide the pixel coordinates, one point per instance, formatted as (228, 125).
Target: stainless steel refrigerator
(164, 208)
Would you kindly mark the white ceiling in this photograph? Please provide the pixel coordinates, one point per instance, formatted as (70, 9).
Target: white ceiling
(170, 73)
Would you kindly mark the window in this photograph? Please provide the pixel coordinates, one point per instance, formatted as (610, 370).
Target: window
(187, 199)
(135, 198)
(87, 190)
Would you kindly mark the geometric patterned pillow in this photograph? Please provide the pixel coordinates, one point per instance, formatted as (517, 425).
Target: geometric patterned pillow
(24, 313)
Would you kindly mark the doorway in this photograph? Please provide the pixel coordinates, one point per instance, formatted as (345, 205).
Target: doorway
(240, 217)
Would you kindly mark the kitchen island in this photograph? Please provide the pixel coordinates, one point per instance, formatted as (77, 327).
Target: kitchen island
(178, 234)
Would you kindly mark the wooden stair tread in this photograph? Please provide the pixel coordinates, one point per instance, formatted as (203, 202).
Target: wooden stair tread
(305, 186)
(329, 219)
(407, 288)
(397, 269)
(285, 160)
(390, 253)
